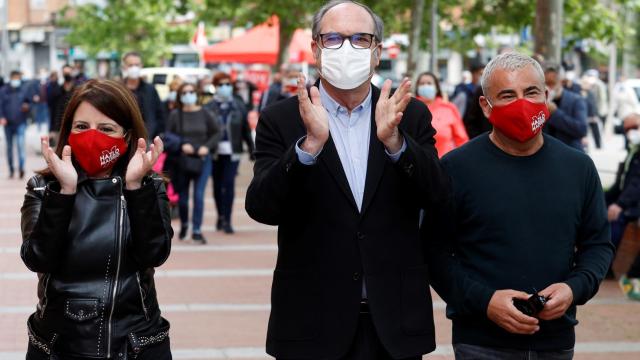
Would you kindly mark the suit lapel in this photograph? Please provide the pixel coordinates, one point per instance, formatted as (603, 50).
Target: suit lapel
(331, 160)
(377, 157)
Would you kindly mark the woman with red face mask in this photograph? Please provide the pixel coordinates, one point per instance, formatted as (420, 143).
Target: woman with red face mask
(95, 224)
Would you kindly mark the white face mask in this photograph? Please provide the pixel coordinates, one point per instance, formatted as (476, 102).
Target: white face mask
(133, 72)
(346, 68)
(634, 136)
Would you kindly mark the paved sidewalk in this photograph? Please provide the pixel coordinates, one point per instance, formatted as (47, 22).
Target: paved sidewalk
(217, 296)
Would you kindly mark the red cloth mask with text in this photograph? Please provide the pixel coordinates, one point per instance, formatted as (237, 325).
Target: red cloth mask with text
(96, 152)
(520, 120)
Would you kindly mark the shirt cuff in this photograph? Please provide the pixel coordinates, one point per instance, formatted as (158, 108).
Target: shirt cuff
(395, 157)
(304, 157)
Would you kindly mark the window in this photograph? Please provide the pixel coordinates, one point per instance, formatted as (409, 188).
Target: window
(159, 79)
(38, 4)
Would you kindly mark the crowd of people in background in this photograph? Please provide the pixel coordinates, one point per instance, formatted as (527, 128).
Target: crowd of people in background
(205, 125)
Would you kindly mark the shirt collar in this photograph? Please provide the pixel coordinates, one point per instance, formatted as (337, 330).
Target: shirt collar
(334, 108)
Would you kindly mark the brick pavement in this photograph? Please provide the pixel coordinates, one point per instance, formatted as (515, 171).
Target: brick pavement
(217, 296)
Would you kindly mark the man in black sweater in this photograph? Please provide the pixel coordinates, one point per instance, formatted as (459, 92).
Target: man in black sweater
(526, 215)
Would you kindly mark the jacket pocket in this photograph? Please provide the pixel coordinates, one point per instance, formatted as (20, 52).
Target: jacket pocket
(417, 308)
(294, 306)
(140, 341)
(81, 309)
(39, 341)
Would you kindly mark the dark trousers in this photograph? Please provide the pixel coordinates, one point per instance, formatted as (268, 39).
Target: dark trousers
(15, 134)
(182, 184)
(617, 229)
(224, 184)
(366, 344)
(161, 351)
(595, 131)
(473, 352)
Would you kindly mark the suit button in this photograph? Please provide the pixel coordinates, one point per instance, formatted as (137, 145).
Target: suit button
(360, 236)
(287, 167)
(356, 276)
(114, 180)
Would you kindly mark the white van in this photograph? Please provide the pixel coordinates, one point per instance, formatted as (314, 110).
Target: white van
(161, 77)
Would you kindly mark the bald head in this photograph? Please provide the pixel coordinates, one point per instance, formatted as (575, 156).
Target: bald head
(347, 17)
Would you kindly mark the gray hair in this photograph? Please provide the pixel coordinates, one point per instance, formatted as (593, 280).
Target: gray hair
(317, 18)
(510, 61)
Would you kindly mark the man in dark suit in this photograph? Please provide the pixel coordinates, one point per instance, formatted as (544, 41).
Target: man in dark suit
(344, 170)
(568, 122)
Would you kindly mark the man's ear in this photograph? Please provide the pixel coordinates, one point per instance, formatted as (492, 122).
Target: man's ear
(486, 108)
(377, 53)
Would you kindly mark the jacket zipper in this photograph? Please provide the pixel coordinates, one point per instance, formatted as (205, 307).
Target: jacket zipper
(115, 284)
(144, 307)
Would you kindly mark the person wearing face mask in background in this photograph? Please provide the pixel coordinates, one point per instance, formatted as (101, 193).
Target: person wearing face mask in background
(235, 130)
(623, 198)
(450, 131)
(527, 214)
(205, 90)
(274, 92)
(171, 103)
(148, 99)
(343, 169)
(199, 131)
(288, 85)
(39, 97)
(568, 121)
(78, 73)
(15, 103)
(58, 97)
(243, 91)
(95, 224)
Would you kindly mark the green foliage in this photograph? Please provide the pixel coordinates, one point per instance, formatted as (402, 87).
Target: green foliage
(141, 25)
(124, 25)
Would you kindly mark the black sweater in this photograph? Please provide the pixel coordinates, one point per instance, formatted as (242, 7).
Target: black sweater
(519, 223)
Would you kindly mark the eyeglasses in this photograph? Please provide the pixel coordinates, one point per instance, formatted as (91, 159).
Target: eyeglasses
(334, 40)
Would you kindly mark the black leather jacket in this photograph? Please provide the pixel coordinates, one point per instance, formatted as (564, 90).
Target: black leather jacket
(95, 254)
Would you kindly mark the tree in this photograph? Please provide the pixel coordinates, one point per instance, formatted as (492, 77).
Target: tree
(548, 30)
(124, 25)
(583, 19)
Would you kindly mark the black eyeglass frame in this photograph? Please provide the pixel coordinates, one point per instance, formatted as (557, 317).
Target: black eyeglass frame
(320, 39)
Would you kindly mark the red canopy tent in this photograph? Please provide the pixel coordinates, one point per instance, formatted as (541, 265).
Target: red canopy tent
(260, 45)
(300, 48)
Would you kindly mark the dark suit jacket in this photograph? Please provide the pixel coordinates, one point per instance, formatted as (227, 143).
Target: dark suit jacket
(569, 123)
(327, 247)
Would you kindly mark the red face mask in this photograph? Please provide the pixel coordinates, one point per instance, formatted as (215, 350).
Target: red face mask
(520, 120)
(96, 152)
